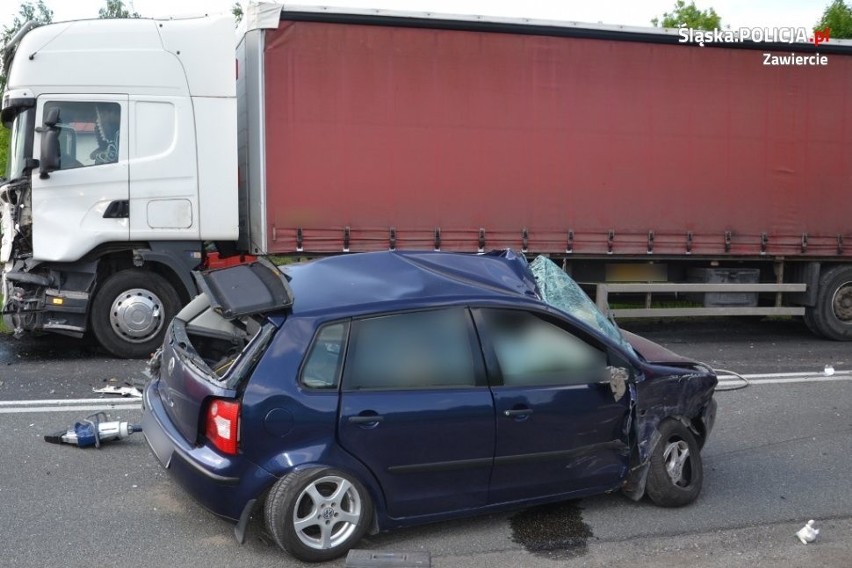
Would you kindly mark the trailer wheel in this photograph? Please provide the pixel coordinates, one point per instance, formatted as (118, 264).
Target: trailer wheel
(831, 317)
(130, 312)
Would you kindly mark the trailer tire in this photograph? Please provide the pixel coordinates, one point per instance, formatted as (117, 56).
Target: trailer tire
(131, 311)
(831, 317)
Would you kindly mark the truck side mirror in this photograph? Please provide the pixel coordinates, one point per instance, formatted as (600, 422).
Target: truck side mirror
(49, 159)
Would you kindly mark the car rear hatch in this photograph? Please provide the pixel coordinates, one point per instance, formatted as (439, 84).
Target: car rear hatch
(213, 344)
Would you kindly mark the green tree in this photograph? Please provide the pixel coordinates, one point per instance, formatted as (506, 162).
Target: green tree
(4, 149)
(690, 16)
(116, 9)
(237, 11)
(838, 18)
(37, 12)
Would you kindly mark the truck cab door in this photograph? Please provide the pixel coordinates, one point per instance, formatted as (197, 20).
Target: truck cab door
(85, 202)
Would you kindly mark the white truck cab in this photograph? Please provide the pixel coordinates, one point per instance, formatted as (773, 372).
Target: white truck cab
(123, 162)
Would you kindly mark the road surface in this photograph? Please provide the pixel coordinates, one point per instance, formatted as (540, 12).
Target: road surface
(780, 454)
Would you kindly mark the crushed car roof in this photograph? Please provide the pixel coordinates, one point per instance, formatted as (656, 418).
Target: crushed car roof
(370, 280)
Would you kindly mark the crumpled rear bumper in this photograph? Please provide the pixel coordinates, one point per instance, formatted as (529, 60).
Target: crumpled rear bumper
(222, 484)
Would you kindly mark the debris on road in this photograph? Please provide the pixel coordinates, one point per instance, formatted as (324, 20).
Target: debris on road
(808, 533)
(122, 391)
(376, 558)
(829, 370)
(92, 431)
(725, 373)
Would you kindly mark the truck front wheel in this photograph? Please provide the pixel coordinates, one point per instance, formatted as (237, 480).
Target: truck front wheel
(130, 312)
(831, 317)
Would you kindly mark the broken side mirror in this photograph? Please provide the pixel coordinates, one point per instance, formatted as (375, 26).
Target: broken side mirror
(49, 159)
(619, 373)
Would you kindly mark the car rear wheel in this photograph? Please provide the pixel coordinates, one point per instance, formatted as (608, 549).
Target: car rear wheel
(676, 473)
(317, 514)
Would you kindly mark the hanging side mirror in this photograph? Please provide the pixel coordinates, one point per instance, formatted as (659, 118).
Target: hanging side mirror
(49, 158)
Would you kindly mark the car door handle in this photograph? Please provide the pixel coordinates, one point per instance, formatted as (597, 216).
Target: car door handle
(518, 412)
(366, 419)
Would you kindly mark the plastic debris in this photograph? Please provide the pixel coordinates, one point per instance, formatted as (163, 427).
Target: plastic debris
(122, 391)
(808, 533)
(828, 371)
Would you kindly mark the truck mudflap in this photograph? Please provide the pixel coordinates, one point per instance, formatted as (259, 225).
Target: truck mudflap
(684, 397)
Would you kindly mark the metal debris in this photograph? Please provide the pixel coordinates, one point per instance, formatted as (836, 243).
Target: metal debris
(122, 391)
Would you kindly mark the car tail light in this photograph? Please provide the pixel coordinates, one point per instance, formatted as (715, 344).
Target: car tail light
(222, 424)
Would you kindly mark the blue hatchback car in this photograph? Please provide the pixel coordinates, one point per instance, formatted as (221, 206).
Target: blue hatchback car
(364, 392)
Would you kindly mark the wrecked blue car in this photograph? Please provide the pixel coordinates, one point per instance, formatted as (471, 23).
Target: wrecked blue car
(364, 392)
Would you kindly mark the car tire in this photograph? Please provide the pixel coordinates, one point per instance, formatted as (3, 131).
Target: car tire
(831, 317)
(675, 473)
(317, 514)
(131, 311)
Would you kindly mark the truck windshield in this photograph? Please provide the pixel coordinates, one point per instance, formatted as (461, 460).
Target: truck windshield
(19, 149)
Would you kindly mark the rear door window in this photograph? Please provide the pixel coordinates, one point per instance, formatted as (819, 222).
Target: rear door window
(420, 350)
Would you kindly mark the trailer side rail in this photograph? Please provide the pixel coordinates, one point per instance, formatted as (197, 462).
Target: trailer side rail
(603, 291)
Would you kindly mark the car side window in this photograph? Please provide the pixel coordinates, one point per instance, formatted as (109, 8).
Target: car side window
(323, 363)
(88, 132)
(532, 351)
(417, 350)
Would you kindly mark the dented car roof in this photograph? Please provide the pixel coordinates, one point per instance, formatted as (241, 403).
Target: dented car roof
(363, 282)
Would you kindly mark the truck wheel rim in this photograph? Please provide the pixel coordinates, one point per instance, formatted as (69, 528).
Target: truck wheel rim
(676, 458)
(327, 512)
(841, 303)
(136, 315)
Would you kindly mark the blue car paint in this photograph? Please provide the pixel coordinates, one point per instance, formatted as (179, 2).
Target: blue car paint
(285, 426)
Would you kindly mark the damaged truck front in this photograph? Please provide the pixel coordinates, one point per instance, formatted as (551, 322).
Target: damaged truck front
(116, 137)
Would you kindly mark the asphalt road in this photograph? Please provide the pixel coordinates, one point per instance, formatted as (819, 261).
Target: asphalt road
(780, 455)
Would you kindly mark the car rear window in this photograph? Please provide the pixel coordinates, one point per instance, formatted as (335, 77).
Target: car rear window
(322, 366)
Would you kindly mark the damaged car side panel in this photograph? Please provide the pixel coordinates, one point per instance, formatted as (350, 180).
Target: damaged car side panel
(666, 393)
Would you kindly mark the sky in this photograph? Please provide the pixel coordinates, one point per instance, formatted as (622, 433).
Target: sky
(736, 13)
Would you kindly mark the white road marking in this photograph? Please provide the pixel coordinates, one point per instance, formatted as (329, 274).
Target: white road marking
(69, 401)
(100, 404)
(68, 405)
(785, 378)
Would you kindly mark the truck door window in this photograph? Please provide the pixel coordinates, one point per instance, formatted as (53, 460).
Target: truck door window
(89, 132)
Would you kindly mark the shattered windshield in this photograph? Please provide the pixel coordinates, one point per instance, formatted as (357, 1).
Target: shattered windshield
(560, 291)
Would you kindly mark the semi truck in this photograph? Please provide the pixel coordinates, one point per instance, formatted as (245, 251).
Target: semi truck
(144, 149)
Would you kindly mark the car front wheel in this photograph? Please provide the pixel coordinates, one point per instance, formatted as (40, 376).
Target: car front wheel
(676, 472)
(317, 514)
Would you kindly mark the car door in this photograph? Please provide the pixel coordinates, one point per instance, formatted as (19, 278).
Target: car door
(559, 428)
(416, 410)
(86, 197)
